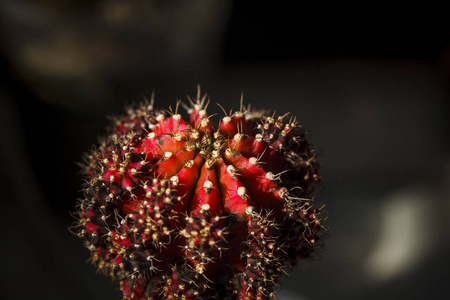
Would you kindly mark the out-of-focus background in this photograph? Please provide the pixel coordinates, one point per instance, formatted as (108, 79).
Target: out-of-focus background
(370, 84)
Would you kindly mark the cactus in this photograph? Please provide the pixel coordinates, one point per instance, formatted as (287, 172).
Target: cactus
(184, 210)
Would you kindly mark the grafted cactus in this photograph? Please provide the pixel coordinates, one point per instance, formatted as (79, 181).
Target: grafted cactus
(187, 210)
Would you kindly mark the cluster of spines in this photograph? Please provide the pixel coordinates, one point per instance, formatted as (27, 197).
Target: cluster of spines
(263, 258)
(138, 223)
(131, 240)
(301, 228)
(203, 240)
(289, 139)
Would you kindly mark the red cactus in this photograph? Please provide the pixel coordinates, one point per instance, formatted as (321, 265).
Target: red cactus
(182, 210)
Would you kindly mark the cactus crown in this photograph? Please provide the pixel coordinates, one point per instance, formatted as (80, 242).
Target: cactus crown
(185, 210)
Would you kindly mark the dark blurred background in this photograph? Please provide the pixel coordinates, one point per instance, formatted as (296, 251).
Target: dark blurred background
(370, 84)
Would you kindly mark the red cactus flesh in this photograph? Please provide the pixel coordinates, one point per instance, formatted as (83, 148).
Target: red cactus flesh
(185, 210)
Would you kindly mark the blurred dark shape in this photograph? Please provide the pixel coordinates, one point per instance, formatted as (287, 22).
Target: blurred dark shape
(84, 55)
(371, 87)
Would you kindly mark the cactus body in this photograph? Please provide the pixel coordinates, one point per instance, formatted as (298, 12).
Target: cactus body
(187, 210)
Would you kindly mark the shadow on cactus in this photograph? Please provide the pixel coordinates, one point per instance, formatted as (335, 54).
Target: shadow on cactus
(176, 209)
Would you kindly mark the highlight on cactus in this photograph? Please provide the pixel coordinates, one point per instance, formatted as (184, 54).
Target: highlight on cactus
(176, 209)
